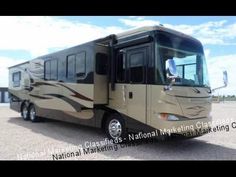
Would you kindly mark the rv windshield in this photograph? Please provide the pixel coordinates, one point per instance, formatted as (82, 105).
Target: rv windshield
(186, 57)
(190, 66)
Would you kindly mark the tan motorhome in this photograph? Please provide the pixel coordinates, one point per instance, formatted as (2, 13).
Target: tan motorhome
(150, 78)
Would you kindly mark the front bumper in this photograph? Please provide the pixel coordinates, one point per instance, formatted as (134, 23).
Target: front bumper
(187, 128)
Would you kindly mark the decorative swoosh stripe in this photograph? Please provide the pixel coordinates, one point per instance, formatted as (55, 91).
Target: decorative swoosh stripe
(13, 95)
(28, 88)
(36, 63)
(37, 72)
(74, 104)
(36, 84)
(196, 113)
(196, 107)
(40, 97)
(76, 94)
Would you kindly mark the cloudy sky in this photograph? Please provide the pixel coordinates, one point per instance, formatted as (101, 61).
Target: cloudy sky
(23, 38)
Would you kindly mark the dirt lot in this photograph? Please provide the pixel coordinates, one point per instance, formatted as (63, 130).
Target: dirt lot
(53, 140)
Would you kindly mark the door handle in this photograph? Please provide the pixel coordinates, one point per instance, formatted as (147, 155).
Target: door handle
(130, 95)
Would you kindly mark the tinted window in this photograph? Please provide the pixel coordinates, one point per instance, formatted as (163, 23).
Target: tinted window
(16, 77)
(47, 70)
(80, 64)
(121, 66)
(62, 69)
(53, 69)
(71, 66)
(101, 63)
(174, 41)
(136, 67)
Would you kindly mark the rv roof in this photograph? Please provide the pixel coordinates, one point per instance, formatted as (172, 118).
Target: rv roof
(18, 64)
(151, 28)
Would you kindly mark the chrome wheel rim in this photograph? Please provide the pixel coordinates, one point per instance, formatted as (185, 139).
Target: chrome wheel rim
(115, 128)
(32, 113)
(25, 112)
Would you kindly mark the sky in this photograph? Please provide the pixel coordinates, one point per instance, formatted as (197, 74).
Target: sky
(23, 38)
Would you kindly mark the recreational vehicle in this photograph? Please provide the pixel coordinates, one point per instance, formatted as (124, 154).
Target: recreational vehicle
(150, 78)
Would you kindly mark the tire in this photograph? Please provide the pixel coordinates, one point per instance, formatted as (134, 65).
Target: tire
(32, 114)
(115, 128)
(25, 112)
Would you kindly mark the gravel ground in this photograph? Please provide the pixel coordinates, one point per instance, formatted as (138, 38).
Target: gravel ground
(54, 140)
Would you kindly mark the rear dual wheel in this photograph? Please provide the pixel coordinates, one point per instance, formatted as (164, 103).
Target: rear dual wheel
(29, 113)
(25, 112)
(32, 114)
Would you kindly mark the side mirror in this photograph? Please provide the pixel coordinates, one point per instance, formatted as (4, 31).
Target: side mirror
(171, 69)
(225, 78)
(171, 73)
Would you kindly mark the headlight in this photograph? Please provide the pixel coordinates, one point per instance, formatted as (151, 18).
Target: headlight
(169, 117)
(172, 117)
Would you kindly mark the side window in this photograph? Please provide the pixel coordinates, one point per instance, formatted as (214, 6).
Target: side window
(101, 63)
(81, 64)
(16, 77)
(71, 67)
(136, 65)
(62, 69)
(120, 67)
(47, 70)
(53, 69)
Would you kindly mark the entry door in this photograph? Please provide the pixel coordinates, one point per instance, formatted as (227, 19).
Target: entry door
(137, 58)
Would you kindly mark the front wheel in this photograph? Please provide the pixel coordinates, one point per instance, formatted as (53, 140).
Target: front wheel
(32, 114)
(115, 128)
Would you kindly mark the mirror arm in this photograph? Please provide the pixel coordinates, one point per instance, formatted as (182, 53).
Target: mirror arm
(169, 87)
(219, 88)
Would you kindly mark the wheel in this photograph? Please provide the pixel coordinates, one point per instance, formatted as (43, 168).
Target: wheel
(32, 114)
(25, 112)
(115, 128)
